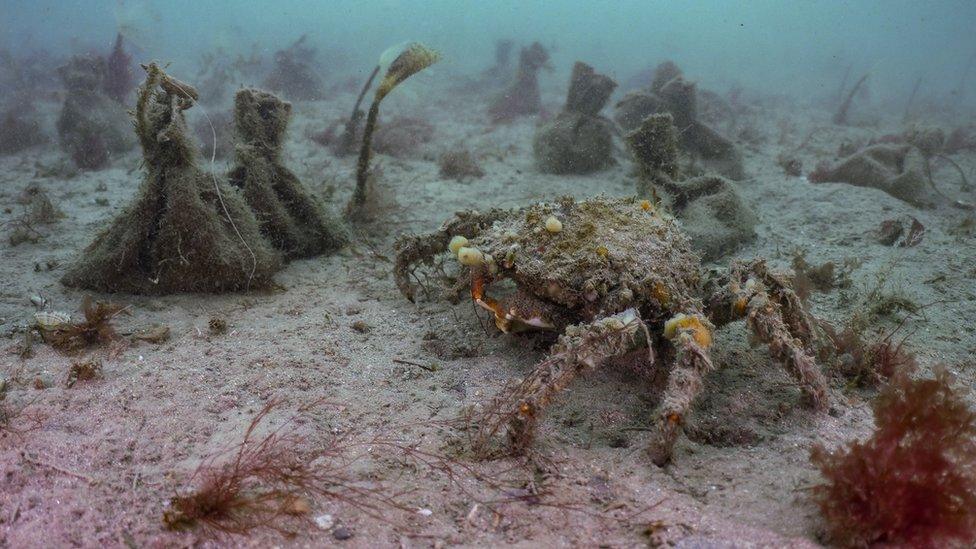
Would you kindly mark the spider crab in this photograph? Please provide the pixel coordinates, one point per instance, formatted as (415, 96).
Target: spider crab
(613, 276)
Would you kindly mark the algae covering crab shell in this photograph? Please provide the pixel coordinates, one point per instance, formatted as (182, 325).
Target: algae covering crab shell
(607, 254)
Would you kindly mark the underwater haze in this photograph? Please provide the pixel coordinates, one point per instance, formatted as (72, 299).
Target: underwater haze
(785, 47)
(458, 273)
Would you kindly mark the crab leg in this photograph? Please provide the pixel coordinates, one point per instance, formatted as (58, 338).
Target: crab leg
(411, 250)
(478, 283)
(775, 315)
(511, 317)
(778, 288)
(582, 347)
(691, 336)
(765, 319)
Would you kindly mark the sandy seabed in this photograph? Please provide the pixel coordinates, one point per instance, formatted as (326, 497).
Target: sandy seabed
(106, 455)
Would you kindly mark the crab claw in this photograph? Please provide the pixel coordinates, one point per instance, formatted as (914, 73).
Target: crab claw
(478, 283)
(508, 317)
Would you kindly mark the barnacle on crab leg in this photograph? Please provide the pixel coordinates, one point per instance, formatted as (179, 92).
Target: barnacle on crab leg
(773, 313)
(691, 334)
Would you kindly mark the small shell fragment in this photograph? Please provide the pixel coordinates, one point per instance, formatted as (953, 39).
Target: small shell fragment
(325, 522)
(53, 320)
(157, 333)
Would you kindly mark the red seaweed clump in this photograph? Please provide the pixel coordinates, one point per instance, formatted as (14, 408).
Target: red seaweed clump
(262, 485)
(95, 329)
(870, 362)
(913, 483)
(268, 482)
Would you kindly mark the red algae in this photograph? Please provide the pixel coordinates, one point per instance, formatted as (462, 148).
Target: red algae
(913, 482)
